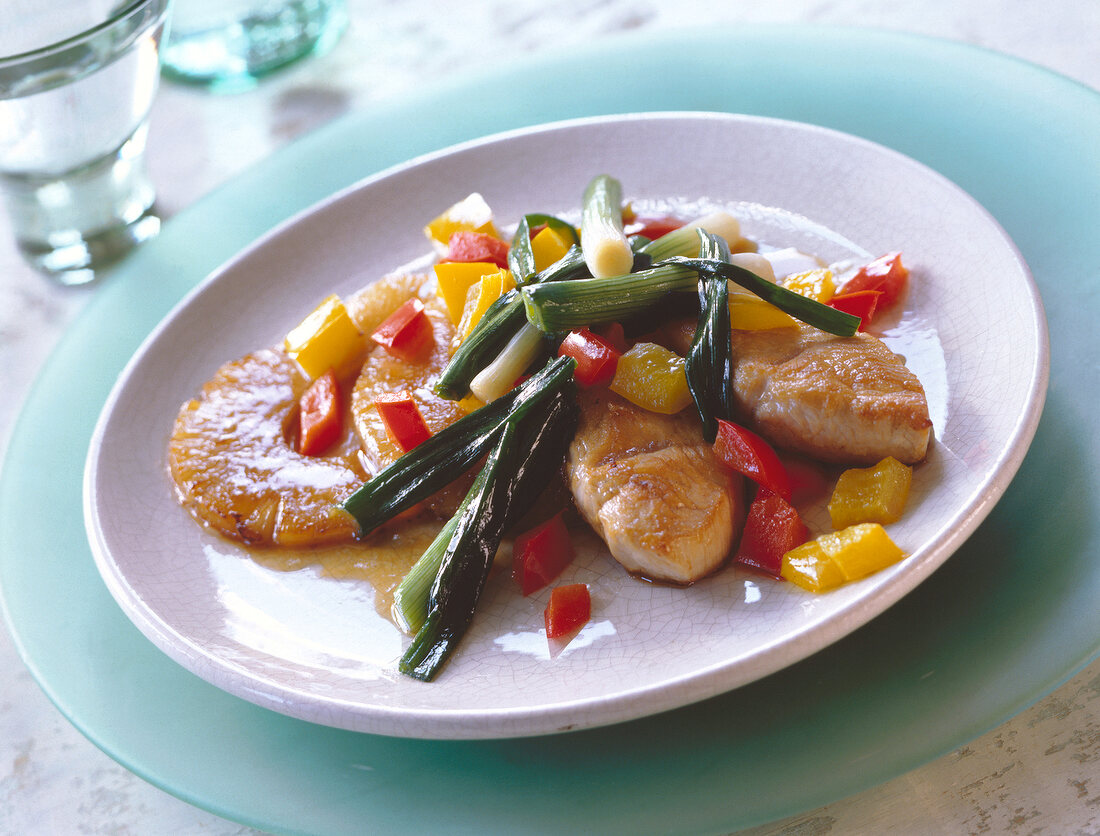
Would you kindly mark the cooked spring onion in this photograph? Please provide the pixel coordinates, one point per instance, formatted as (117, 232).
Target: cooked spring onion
(449, 453)
(501, 374)
(563, 306)
(685, 240)
(495, 330)
(606, 249)
(527, 447)
(521, 258)
(801, 307)
(709, 365)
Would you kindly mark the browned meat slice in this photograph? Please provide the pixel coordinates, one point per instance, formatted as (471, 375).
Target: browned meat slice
(842, 399)
(650, 487)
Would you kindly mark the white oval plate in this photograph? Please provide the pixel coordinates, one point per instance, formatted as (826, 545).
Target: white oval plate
(314, 648)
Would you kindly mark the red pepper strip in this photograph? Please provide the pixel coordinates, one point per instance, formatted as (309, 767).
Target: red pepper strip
(540, 554)
(652, 228)
(477, 246)
(569, 609)
(320, 420)
(886, 274)
(407, 332)
(861, 303)
(404, 424)
(772, 528)
(596, 359)
(747, 453)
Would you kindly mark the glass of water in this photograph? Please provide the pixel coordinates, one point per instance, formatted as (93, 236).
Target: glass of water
(77, 81)
(227, 45)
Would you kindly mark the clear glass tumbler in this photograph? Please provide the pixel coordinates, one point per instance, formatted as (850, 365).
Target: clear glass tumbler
(226, 45)
(77, 81)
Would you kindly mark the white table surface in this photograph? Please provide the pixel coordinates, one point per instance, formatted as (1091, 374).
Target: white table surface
(1038, 773)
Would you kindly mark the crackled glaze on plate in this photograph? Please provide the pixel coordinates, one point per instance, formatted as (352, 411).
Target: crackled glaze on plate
(313, 647)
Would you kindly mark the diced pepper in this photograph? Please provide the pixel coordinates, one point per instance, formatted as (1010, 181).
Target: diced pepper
(454, 280)
(596, 358)
(479, 297)
(816, 284)
(569, 609)
(548, 247)
(326, 339)
(404, 424)
(652, 377)
(772, 528)
(407, 332)
(885, 274)
(861, 303)
(809, 567)
(747, 453)
(871, 494)
(471, 214)
(477, 246)
(748, 312)
(540, 554)
(320, 420)
(847, 555)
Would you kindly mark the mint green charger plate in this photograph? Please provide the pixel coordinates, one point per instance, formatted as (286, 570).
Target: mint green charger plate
(1006, 620)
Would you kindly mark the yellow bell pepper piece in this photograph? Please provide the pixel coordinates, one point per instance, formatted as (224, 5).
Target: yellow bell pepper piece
(652, 377)
(454, 280)
(871, 494)
(479, 297)
(816, 284)
(548, 247)
(326, 339)
(830, 560)
(748, 312)
(809, 567)
(471, 214)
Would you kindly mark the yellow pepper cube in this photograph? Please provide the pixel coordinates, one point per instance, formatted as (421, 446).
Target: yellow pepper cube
(871, 494)
(748, 312)
(860, 550)
(454, 280)
(816, 284)
(326, 339)
(652, 377)
(480, 296)
(809, 567)
(472, 214)
(548, 247)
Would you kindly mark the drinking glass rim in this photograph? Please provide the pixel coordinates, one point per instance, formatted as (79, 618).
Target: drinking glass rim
(124, 13)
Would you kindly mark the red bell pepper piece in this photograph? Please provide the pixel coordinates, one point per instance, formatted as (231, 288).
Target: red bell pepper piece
(540, 554)
(596, 358)
(320, 420)
(477, 246)
(772, 528)
(569, 609)
(747, 453)
(653, 228)
(404, 424)
(407, 332)
(886, 274)
(861, 303)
